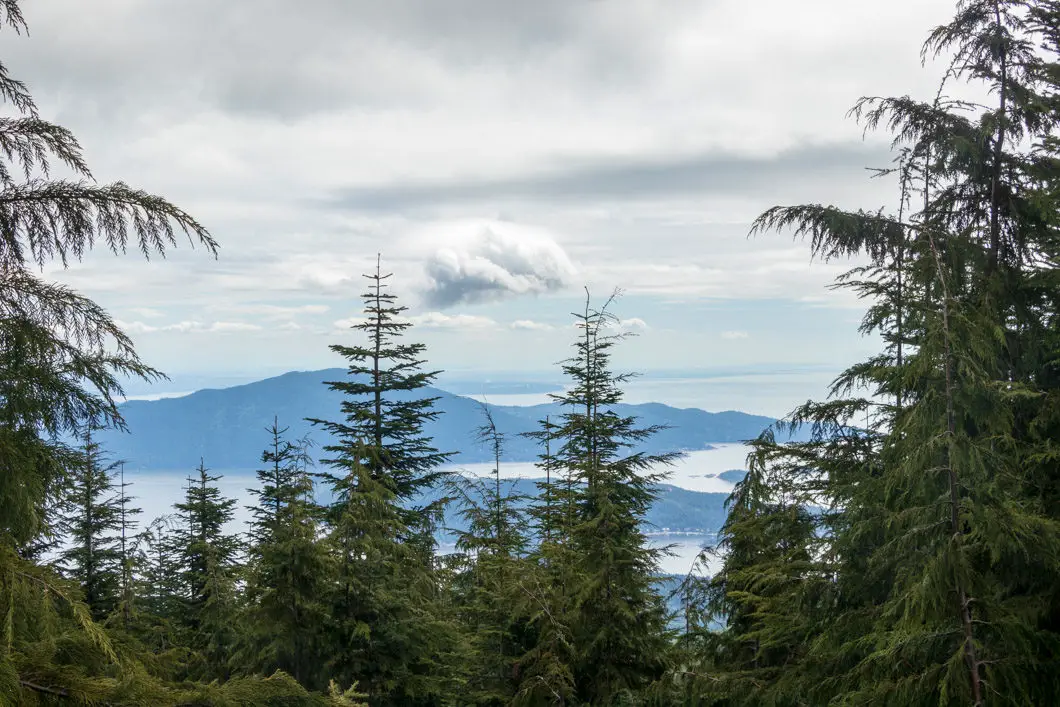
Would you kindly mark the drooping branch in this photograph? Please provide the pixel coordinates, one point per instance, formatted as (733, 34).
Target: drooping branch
(834, 232)
(63, 219)
(30, 142)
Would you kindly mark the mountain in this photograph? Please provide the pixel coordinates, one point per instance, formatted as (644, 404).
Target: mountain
(227, 426)
(675, 511)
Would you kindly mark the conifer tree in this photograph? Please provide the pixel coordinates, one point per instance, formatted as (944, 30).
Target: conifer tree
(492, 552)
(945, 556)
(616, 619)
(127, 524)
(209, 558)
(159, 584)
(62, 362)
(390, 629)
(92, 517)
(288, 568)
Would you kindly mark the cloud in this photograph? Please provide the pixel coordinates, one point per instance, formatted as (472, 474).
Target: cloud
(146, 312)
(641, 178)
(138, 327)
(348, 322)
(484, 261)
(530, 325)
(439, 320)
(732, 335)
(234, 326)
(273, 311)
(632, 324)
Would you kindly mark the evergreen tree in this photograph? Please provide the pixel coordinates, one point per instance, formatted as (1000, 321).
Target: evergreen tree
(92, 517)
(127, 524)
(159, 584)
(943, 555)
(62, 360)
(492, 552)
(390, 628)
(288, 568)
(616, 619)
(209, 558)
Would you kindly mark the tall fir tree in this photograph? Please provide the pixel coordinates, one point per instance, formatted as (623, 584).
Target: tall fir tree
(62, 363)
(92, 524)
(284, 615)
(491, 547)
(615, 618)
(390, 629)
(209, 556)
(943, 553)
(126, 547)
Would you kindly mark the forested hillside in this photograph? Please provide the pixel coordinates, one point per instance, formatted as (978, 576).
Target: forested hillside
(225, 426)
(895, 543)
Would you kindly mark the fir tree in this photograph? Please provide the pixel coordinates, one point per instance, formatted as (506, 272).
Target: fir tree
(62, 361)
(492, 552)
(91, 519)
(616, 618)
(127, 524)
(159, 584)
(288, 568)
(390, 629)
(209, 563)
(943, 552)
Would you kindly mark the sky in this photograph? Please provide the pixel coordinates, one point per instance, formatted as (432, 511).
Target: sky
(501, 157)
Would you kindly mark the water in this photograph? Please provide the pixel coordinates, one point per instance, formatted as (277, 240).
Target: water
(697, 471)
(156, 492)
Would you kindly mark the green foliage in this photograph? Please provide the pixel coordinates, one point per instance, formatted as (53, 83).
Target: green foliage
(491, 565)
(284, 616)
(390, 628)
(92, 517)
(919, 561)
(208, 564)
(605, 640)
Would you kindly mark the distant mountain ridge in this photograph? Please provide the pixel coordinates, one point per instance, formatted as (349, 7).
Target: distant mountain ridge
(226, 426)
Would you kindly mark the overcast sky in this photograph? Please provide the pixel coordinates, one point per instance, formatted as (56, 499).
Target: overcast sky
(500, 155)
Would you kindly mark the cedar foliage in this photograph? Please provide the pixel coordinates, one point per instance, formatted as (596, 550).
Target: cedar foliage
(923, 566)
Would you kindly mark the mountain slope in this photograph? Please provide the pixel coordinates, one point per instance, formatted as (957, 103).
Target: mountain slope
(227, 426)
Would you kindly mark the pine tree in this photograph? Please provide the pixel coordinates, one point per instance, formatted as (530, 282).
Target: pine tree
(288, 567)
(159, 585)
(127, 524)
(390, 629)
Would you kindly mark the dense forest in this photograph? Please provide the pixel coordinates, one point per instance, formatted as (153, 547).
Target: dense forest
(904, 551)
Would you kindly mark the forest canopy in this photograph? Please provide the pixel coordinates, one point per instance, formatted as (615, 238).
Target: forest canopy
(903, 550)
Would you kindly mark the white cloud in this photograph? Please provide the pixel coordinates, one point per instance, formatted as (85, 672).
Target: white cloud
(439, 320)
(138, 327)
(146, 312)
(234, 326)
(530, 325)
(274, 311)
(632, 324)
(482, 261)
(732, 335)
